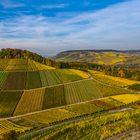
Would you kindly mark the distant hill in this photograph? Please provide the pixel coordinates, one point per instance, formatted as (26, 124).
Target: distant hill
(108, 57)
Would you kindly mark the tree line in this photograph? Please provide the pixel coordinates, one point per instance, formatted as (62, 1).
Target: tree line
(130, 72)
(9, 53)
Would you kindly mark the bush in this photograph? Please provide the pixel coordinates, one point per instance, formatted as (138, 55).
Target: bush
(11, 135)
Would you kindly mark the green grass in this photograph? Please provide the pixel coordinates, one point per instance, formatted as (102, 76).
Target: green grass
(8, 102)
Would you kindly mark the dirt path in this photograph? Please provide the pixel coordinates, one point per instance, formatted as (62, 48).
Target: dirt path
(78, 81)
(35, 112)
(126, 88)
(32, 113)
(92, 77)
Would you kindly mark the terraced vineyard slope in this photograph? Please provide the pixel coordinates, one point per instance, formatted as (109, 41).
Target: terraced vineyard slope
(42, 102)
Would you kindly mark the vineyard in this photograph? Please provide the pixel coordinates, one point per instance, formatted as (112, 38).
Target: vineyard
(22, 65)
(88, 108)
(116, 81)
(130, 98)
(34, 76)
(95, 128)
(55, 96)
(6, 126)
(80, 73)
(37, 100)
(14, 81)
(8, 102)
(33, 99)
(3, 76)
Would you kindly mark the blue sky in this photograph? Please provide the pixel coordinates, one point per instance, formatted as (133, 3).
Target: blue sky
(51, 26)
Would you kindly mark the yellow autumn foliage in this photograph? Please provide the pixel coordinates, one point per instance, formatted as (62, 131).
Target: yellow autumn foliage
(127, 98)
(117, 81)
(40, 66)
(80, 73)
(6, 126)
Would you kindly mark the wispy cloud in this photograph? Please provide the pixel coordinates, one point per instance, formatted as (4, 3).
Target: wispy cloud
(114, 27)
(10, 4)
(54, 6)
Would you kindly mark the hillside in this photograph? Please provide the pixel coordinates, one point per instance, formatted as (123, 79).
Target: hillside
(20, 65)
(42, 102)
(24, 82)
(10, 53)
(107, 57)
